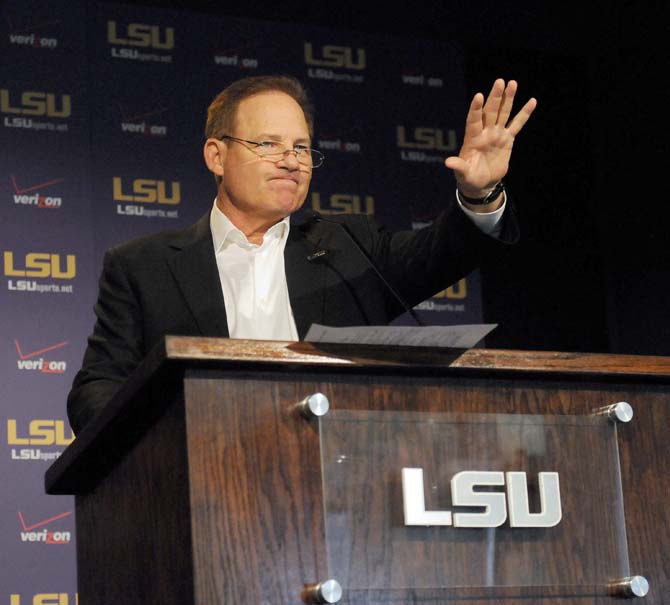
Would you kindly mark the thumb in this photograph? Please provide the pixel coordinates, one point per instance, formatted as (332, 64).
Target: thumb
(458, 165)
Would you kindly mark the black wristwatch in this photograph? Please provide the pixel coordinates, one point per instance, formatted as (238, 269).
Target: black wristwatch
(482, 201)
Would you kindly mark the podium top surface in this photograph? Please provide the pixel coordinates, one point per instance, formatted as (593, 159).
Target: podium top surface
(120, 421)
(337, 356)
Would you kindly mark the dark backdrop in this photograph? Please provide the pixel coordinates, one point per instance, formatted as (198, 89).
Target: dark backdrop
(589, 172)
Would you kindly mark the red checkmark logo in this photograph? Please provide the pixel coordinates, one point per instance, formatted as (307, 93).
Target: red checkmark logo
(20, 190)
(23, 355)
(41, 523)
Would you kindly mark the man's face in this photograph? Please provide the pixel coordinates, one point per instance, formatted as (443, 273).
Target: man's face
(256, 188)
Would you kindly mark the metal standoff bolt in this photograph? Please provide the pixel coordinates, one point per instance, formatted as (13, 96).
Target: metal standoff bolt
(314, 405)
(617, 412)
(329, 591)
(629, 588)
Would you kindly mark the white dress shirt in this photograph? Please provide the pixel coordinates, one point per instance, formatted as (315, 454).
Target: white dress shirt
(488, 222)
(253, 277)
(253, 280)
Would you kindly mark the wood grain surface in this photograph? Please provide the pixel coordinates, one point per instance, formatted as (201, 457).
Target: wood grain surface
(200, 483)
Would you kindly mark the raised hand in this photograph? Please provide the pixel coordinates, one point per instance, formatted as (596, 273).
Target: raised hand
(489, 136)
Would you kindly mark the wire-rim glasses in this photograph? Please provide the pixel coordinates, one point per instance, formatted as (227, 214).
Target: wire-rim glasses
(275, 151)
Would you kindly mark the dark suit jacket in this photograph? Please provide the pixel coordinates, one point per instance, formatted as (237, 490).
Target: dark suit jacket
(169, 284)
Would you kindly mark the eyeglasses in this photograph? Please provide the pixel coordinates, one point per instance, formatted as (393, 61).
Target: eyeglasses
(274, 151)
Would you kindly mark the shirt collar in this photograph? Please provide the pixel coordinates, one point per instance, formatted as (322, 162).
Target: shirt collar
(223, 230)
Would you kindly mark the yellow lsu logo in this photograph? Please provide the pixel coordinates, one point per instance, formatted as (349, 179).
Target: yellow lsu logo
(459, 290)
(343, 203)
(41, 264)
(147, 191)
(335, 56)
(33, 103)
(140, 34)
(426, 138)
(45, 598)
(40, 432)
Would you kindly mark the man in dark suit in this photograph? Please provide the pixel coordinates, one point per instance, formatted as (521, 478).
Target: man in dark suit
(245, 271)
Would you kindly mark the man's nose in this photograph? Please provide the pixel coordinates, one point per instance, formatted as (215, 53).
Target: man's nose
(291, 159)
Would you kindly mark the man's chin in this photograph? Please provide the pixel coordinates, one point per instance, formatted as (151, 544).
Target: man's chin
(288, 206)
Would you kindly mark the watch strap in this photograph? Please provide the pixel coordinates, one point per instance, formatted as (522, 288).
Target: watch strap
(483, 201)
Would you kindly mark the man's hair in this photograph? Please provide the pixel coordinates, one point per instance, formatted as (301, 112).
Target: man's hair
(223, 109)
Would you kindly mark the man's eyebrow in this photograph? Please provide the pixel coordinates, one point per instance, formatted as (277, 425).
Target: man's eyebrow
(268, 136)
(276, 137)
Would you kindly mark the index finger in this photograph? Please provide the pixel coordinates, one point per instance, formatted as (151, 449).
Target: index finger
(473, 121)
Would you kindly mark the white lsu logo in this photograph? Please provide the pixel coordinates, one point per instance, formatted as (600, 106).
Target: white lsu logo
(495, 510)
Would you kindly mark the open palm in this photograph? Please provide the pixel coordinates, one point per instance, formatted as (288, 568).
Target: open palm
(489, 136)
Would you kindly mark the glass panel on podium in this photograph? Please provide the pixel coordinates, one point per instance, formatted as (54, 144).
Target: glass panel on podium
(426, 537)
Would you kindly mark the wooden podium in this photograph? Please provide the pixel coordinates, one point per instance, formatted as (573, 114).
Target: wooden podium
(201, 481)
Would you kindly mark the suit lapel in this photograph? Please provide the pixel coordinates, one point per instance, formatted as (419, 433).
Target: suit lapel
(304, 278)
(194, 268)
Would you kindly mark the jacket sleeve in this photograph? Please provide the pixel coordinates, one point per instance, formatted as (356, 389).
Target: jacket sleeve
(423, 262)
(114, 348)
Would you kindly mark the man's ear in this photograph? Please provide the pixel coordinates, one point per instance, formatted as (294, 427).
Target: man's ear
(215, 155)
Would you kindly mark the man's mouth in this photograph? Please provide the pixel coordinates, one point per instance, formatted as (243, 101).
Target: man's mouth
(287, 178)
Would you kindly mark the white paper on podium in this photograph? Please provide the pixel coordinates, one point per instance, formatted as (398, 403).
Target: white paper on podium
(458, 337)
